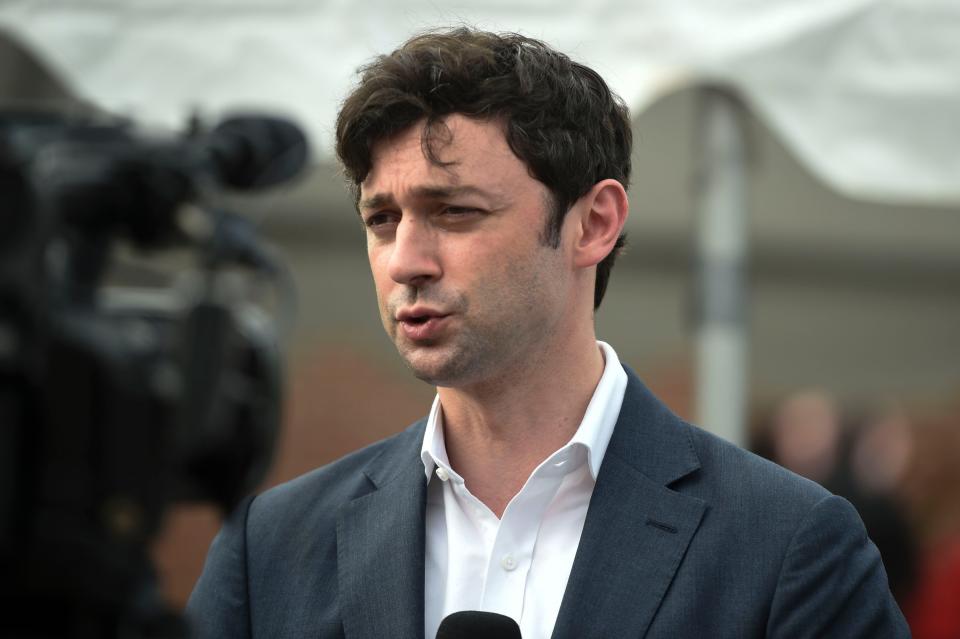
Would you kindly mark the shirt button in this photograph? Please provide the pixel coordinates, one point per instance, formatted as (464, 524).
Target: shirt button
(508, 562)
(443, 474)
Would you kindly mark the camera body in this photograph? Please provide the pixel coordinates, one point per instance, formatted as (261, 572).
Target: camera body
(115, 402)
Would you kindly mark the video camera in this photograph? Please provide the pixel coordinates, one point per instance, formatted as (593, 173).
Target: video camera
(116, 401)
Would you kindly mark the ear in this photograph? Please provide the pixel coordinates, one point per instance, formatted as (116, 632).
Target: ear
(601, 214)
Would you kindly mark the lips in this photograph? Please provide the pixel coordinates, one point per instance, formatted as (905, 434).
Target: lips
(421, 324)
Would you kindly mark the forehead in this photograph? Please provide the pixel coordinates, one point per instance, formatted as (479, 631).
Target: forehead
(470, 151)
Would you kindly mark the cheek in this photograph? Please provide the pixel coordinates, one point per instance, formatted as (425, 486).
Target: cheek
(377, 260)
(382, 288)
(510, 283)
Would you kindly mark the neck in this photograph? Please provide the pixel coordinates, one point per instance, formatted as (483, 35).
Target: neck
(498, 431)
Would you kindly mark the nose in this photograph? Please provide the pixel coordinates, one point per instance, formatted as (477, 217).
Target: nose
(414, 258)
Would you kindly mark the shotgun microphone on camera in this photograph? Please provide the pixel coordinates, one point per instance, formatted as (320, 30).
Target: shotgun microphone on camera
(253, 152)
(105, 177)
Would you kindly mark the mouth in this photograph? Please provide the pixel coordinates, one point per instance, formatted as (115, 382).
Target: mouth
(418, 316)
(421, 324)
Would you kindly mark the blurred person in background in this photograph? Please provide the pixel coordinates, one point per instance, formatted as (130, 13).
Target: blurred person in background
(864, 464)
(879, 449)
(806, 435)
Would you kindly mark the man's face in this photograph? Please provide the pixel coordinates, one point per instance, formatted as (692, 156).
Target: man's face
(467, 289)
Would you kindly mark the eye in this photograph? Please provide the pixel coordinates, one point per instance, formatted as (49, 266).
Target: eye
(458, 211)
(379, 219)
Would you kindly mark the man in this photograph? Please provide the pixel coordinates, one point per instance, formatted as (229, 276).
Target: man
(547, 483)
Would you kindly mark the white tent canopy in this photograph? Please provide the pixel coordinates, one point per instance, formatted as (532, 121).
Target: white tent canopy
(865, 92)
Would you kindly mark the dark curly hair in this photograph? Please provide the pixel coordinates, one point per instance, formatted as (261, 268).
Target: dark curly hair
(560, 118)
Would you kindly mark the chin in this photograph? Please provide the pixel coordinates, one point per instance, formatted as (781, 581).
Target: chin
(436, 370)
(447, 364)
(432, 375)
(451, 374)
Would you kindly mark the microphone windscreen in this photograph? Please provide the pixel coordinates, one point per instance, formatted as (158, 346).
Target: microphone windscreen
(251, 152)
(473, 624)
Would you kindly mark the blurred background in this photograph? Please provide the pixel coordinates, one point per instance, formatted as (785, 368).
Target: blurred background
(792, 279)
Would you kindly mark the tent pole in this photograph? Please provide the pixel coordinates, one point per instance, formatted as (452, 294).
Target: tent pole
(721, 251)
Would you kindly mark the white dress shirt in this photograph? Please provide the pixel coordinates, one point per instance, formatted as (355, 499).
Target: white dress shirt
(518, 565)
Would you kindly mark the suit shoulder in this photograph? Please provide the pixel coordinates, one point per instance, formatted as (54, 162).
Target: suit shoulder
(326, 488)
(733, 471)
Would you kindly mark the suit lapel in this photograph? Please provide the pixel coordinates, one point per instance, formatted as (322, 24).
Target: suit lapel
(380, 547)
(637, 529)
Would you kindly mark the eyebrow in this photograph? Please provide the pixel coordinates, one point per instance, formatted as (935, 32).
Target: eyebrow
(424, 193)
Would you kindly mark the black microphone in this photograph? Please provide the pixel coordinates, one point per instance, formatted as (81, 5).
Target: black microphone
(473, 624)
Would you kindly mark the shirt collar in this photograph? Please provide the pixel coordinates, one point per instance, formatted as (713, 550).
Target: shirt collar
(433, 453)
(593, 434)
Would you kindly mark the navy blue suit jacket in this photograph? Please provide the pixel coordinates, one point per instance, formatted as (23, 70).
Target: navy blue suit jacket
(686, 536)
